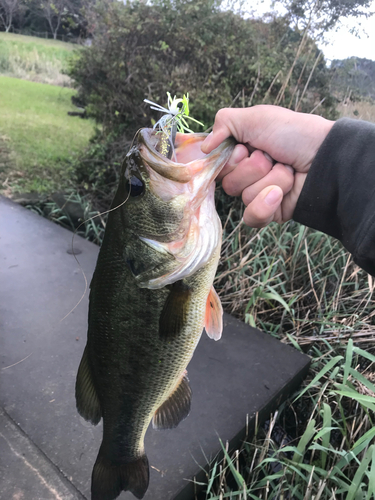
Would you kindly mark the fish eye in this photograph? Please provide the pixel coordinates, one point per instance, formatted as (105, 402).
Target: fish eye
(135, 186)
(179, 105)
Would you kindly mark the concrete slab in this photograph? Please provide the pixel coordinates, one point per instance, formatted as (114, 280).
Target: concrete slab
(40, 282)
(25, 472)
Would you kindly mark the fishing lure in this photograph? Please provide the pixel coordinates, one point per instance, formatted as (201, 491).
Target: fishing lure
(173, 120)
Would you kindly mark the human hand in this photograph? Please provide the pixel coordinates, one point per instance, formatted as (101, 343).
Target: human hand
(270, 189)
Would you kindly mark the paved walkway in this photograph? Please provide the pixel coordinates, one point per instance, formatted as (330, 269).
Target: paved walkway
(46, 450)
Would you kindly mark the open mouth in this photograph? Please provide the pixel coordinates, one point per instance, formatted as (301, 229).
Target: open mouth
(187, 184)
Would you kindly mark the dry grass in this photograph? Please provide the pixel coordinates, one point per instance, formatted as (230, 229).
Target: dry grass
(35, 59)
(296, 283)
(360, 110)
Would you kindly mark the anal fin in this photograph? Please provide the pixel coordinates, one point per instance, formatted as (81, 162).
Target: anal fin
(213, 322)
(175, 408)
(87, 401)
(174, 313)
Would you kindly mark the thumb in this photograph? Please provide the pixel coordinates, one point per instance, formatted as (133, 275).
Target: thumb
(262, 209)
(221, 130)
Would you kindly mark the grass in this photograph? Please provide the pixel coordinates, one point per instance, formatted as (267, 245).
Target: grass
(362, 110)
(37, 42)
(40, 134)
(298, 284)
(334, 455)
(302, 287)
(36, 59)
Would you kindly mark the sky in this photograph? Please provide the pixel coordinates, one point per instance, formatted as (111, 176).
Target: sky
(343, 44)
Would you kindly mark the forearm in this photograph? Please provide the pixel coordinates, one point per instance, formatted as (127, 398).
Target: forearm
(338, 196)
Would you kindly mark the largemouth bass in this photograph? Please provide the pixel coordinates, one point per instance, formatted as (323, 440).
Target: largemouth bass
(151, 295)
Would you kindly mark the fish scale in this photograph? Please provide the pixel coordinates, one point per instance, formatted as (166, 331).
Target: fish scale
(143, 326)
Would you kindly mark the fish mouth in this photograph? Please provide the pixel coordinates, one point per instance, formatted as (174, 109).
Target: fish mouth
(187, 165)
(186, 180)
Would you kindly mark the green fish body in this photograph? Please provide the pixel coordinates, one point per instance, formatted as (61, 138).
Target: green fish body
(150, 297)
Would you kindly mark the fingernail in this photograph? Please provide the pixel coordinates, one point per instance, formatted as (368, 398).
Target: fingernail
(236, 157)
(273, 197)
(268, 157)
(291, 169)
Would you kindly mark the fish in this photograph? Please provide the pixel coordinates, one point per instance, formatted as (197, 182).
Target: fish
(151, 295)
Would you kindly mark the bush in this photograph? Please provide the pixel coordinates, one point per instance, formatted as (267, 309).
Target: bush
(142, 51)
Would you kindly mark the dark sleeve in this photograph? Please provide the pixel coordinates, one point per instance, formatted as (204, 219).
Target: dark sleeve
(338, 196)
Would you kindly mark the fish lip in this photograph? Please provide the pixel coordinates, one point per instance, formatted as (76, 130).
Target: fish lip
(159, 163)
(181, 172)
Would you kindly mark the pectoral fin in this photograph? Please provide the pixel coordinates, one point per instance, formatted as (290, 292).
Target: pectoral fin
(175, 408)
(214, 315)
(175, 310)
(87, 401)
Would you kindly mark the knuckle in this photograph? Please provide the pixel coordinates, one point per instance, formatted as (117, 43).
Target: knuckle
(229, 186)
(260, 163)
(222, 114)
(264, 168)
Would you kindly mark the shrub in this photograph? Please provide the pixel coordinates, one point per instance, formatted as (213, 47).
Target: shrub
(141, 51)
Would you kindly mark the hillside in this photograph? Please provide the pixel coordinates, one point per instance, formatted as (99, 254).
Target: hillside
(36, 59)
(354, 75)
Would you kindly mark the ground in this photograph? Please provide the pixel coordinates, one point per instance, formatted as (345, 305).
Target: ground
(38, 140)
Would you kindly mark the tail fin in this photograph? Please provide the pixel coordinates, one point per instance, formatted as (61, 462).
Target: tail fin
(109, 480)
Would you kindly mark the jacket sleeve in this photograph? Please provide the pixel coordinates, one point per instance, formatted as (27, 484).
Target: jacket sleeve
(338, 196)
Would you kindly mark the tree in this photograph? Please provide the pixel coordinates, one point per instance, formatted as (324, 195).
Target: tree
(140, 50)
(7, 10)
(54, 11)
(320, 16)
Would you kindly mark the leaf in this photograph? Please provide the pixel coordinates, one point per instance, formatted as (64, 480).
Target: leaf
(322, 372)
(366, 438)
(371, 477)
(212, 478)
(365, 354)
(348, 360)
(366, 401)
(357, 479)
(274, 296)
(304, 441)
(237, 476)
(294, 342)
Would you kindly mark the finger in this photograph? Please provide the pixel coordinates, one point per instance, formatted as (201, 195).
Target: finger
(290, 200)
(249, 171)
(223, 127)
(239, 153)
(281, 176)
(261, 211)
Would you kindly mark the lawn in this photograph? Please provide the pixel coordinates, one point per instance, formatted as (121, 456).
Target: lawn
(35, 59)
(39, 133)
(33, 41)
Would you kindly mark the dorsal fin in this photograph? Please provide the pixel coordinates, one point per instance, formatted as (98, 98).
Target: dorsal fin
(213, 322)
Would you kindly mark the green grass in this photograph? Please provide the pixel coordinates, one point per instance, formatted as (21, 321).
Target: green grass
(33, 41)
(35, 59)
(333, 455)
(303, 287)
(41, 136)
